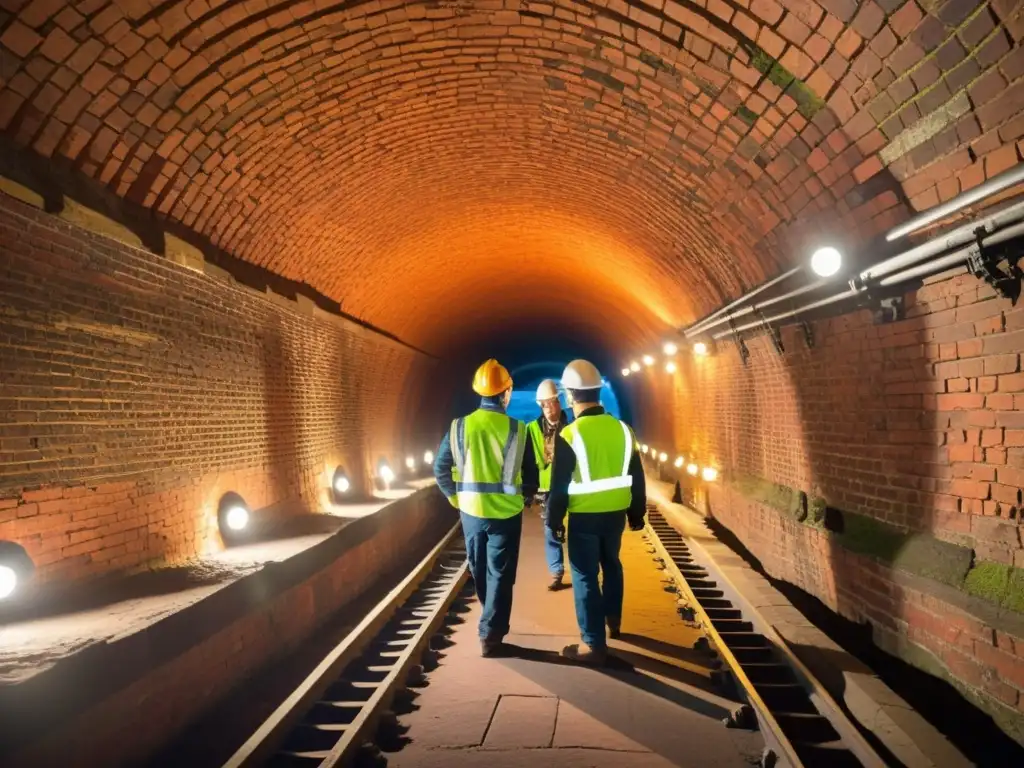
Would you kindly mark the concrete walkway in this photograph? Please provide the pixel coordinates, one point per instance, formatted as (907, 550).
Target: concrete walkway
(653, 707)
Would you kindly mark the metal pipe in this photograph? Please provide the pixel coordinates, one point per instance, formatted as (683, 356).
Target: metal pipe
(923, 270)
(993, 186)
(957, 237)
(697, 327)
(799, 310)
(754, 307)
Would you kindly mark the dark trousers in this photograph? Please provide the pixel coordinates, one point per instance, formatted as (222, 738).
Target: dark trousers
(492, 548)
(594, 541)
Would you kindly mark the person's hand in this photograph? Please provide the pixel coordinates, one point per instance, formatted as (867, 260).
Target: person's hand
(559, 534)
(636, 525)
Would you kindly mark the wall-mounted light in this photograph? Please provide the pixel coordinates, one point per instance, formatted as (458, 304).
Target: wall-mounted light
(826, 261)
(700, 348)
(662, 457)
(710, 474)
(691, 469)
(634, 366)
(340, 484)
(643, 447)
(670, 367)
(648, 361)
(410, 463)
(670, 348)
(679, 462)
(625, 371)
(232, 514)
(428, 457)
(386, 473)
(16, 569)
(8, 581)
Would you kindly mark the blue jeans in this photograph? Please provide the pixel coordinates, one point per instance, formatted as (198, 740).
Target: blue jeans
(594, 541)
(492, 549)
(552, 550)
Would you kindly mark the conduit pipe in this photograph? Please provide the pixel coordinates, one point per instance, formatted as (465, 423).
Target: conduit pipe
(960, 236)
(993, 186)
(707, 322)
(933, 266)
(755, 307)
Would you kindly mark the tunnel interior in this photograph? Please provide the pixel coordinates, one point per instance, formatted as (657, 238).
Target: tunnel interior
(247, 243)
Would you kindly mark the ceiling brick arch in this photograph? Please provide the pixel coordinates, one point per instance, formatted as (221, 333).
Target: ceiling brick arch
(411, 159)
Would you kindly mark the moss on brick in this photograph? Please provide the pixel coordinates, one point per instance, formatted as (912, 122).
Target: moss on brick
(746, 114)
(1014, 599)
(816, 511)
(779, 497)
(808, 102)
(988, 581)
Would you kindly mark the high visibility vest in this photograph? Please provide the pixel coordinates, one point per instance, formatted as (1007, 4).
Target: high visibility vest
(537, 441)
(488, 449)
(601, 481)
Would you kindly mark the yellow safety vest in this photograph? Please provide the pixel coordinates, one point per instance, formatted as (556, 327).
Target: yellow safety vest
(601, 481)
(488, 449)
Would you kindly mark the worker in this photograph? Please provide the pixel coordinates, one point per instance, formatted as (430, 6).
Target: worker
(543, 431)
(488, 450)
(598, 478)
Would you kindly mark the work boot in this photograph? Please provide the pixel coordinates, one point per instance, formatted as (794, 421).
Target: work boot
(489, 647)
(556, 583)
(613, 631)
(584, 654)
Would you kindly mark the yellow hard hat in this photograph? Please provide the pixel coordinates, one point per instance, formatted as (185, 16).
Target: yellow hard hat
(491, 379)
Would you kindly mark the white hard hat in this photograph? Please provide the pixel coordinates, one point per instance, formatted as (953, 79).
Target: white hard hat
(547, 390)
(580, 374)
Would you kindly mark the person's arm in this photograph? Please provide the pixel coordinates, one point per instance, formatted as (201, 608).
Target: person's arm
(638, 503)
(443, 463)
(562, 466)
(531, 474)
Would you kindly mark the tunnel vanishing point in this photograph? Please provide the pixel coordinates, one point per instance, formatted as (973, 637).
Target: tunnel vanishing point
(244, 243)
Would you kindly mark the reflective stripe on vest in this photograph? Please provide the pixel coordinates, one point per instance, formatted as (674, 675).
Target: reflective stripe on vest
(537, 441)
(497, 443)
(601, 481)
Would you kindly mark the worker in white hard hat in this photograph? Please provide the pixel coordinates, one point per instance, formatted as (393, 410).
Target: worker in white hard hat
(598, 479)
(543, 432)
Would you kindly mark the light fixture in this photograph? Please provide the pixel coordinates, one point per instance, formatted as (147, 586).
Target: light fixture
(634, 366)
(428, 457)
(625, 371)
(679, 461)
(670, 367)
(826, 261)
(709, 474)
(670, 348)
(663, 457)
(644, 448)
(386, 473)
(648, 361)
(410, 463)
(692, 469)
(233, 514)
(340, 484)
(700, 348)
(8, 581)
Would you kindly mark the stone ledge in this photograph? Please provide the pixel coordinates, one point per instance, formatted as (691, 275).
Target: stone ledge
(914, 741)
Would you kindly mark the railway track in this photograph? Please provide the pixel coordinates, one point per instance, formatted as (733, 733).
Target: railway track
(802, 725)
(330, 719)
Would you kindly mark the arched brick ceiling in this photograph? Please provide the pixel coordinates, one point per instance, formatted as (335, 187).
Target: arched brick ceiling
(422, 162)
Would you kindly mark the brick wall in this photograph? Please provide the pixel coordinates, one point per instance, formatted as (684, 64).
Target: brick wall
(134, 392)
(918, 423)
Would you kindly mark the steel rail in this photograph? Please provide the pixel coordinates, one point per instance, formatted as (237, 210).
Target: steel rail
(267, 740)
(827, 751)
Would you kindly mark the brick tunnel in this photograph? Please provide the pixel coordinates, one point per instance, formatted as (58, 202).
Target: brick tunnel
(246, 244)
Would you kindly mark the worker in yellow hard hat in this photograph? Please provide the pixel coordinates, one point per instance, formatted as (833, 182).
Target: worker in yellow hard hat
(543, 431)
(598, 479)
(496, 471)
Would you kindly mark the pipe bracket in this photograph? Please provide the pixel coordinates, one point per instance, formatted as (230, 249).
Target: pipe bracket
(774, 333)
(808, 333)
(740, 346)
(983, 262)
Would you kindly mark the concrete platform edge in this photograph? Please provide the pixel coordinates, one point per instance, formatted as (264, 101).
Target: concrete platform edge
(163, 676)
(914, 741)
